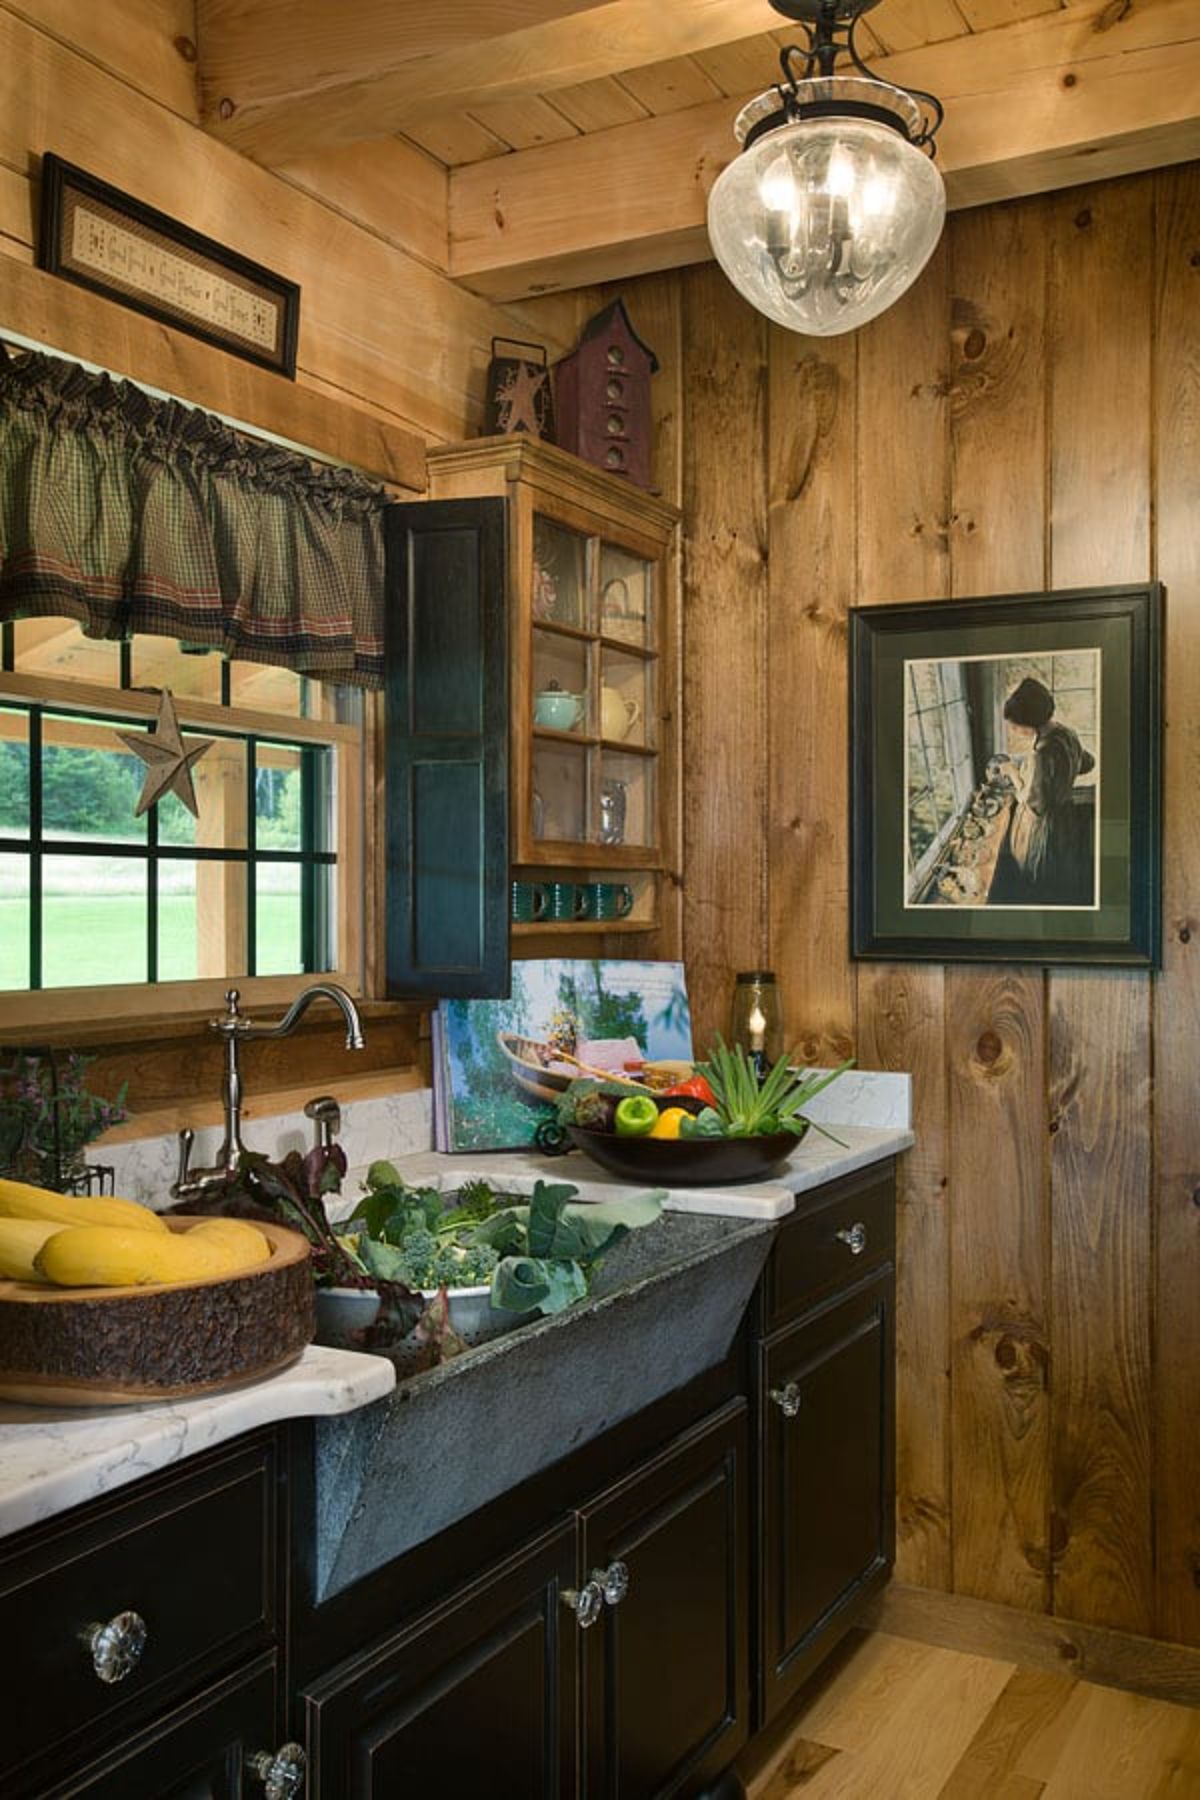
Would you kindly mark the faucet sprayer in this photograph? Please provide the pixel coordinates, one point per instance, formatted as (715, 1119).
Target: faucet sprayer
(235, 1028)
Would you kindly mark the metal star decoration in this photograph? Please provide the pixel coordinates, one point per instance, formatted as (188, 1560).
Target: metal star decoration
(168, 758)
(521, 399)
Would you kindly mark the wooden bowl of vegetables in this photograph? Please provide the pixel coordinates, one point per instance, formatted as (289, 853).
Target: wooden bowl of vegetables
(726, 1125)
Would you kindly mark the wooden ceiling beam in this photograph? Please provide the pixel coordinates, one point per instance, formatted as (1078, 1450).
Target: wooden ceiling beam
(374, 84)
(1077, 95)
(263, 52)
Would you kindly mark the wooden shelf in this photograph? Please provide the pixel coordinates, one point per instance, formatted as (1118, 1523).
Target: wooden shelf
(551, 736)
(578, 634)
(643, 652)
(570, 927)
(624, 747)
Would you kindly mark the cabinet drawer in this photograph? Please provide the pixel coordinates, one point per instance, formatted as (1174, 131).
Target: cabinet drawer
(202, 1749)
(193, 1555)
(833, 1237)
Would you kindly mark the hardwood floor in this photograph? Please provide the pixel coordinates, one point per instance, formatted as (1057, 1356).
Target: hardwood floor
(900, 1720)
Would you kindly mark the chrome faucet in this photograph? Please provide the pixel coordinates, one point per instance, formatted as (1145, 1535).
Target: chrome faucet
(235, 1028)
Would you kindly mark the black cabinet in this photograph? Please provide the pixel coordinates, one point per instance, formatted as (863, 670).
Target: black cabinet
(186, 1572)
(529, 1685)
(204, 1750)
(475, 1697)
(446, 706)
(825, 1532)
(717, 1545)
(666, 1681)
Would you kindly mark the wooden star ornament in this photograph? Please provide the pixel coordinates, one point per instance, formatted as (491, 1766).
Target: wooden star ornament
(168, 757)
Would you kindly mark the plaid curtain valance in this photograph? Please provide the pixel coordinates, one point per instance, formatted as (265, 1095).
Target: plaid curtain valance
(132, 514)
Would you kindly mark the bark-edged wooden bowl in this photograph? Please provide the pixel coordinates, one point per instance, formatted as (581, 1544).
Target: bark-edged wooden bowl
(109, 1346)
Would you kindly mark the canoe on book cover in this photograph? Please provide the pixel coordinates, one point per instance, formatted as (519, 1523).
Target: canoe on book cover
(527, 1061)
(541, 1071)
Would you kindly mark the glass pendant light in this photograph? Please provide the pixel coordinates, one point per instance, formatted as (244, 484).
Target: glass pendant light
(833, 207)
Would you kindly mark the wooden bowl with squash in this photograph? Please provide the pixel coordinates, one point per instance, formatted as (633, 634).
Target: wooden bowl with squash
(157, 1340)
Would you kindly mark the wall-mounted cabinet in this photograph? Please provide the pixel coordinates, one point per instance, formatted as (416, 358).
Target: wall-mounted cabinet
(593, 672)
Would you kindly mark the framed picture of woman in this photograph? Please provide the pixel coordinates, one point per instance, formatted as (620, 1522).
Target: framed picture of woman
(1005, 778)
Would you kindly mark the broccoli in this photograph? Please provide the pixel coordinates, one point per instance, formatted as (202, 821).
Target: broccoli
(419, 1249)
(448, 1265)
(479, 1262)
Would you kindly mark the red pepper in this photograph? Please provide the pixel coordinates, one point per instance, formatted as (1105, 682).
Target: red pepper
(695, 1088)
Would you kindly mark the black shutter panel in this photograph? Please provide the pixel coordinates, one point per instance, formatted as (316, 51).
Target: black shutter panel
(446, 722)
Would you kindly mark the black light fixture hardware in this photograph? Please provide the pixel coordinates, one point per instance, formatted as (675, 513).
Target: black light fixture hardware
(819, 223)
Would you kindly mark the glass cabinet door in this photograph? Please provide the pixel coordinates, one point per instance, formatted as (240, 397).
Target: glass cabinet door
(593, 694)
(561, 589)
(626, 597)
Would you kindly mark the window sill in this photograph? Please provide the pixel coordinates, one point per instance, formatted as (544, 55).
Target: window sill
(62, 1018)
(165, 1121)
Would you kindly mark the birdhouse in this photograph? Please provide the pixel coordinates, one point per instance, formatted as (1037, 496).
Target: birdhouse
(602, 395)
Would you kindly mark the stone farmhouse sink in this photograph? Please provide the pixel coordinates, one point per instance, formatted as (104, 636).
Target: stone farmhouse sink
(665, 1306)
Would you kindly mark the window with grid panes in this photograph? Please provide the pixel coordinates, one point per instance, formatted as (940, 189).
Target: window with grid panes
(940, 770)
(92, 897)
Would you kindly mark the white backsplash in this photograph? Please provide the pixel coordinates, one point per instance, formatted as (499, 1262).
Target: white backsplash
(386, 1125)
(873, 1097)
(397, 1124)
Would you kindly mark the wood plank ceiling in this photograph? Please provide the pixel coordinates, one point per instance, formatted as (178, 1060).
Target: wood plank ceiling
(580, 137)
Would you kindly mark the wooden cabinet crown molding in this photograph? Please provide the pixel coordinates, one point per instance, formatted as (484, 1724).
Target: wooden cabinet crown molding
(518, 457)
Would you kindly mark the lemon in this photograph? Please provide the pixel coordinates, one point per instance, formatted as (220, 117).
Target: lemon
(668, 1122)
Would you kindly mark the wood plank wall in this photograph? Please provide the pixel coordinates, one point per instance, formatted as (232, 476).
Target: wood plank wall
(1029, 415)
(112, 87)
(383, 332)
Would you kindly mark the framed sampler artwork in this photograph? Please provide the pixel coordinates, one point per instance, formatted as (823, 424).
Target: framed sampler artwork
(116, 245)
(1006, 778)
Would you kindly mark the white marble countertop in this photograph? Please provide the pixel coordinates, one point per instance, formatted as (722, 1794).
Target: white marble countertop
(52, 1457)
(815, 1160)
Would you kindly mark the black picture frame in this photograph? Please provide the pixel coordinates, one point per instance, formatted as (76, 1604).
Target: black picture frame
(108, 241)
(982, 829)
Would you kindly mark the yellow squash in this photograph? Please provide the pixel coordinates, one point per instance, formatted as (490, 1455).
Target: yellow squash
(116, 1256)
(20, 1241)
(239, 1234)
(18, 1200)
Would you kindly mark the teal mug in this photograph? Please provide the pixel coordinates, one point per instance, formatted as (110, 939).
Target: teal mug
(565, 901)
(528, 901)
(608, 900)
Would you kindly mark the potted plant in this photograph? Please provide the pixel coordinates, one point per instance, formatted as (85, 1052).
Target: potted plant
(48, 1117)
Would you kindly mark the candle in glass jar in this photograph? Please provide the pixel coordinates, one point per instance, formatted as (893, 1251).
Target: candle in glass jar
(757, 1021)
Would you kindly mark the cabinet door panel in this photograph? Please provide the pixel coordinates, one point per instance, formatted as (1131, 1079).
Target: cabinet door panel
(447, 748)
(835, 1236)
(665, 1671)
(475, 1697)
(194, 1554)
(827, 1478)
(195, 1752)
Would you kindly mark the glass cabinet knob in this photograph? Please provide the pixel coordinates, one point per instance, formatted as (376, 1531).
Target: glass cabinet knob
(280, 1771)
(586, 1603)
(787, 1399)
(854, 1237)
(116, 1647)
(613, 1582)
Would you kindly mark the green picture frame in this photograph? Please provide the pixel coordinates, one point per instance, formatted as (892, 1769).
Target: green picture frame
(1005, 778)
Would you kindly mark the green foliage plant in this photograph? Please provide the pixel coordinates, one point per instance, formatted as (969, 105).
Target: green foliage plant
(750, 1107)
(48, 1116)
(538, 1256)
